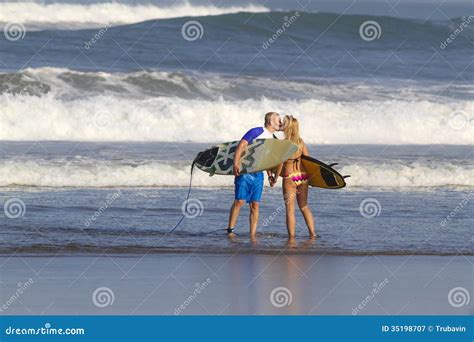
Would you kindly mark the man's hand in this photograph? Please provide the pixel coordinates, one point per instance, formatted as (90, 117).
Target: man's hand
(238, 153)
(236, 170)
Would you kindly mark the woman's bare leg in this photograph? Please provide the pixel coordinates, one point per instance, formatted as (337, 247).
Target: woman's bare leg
(289, 194)
(302, 198)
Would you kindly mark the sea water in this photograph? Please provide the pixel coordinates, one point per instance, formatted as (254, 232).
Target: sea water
(103, 108)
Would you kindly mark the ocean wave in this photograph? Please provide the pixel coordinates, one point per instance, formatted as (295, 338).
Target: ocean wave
(244, 44)
(155, 83)
(114, 118)
(40, 15)
(67, 83)
(36, 16)
(90, 173)
(402, 175)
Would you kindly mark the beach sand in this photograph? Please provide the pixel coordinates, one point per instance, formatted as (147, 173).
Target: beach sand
(197, 284)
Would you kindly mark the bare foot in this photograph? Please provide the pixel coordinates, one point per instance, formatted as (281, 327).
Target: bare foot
(253, 239)
(308, 243)
(291, 243)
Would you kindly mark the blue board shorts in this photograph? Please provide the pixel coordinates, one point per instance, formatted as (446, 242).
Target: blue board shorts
(249, 187)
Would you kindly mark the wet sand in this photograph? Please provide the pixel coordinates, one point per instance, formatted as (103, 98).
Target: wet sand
(192, 284)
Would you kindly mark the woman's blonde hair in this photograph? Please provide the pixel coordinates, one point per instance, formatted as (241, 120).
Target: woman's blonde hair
(292, 131)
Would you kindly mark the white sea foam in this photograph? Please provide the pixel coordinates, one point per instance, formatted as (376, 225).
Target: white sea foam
(114, 118)
(63, 82)
(59, 15)
(100, 173)
(402, 175)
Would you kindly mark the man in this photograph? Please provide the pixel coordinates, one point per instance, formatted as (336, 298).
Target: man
(249, 187)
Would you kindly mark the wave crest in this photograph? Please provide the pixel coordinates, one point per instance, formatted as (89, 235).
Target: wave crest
(114, 118)
(98, 173)
(67, 83)
(76, 16)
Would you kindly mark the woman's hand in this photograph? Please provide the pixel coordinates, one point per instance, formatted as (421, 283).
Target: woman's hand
(271, 180)
(275, 179)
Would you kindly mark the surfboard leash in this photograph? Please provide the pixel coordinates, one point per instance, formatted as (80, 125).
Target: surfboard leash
(186, 200)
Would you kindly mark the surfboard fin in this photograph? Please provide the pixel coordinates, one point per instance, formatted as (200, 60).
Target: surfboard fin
(347, 176)
(331, 165)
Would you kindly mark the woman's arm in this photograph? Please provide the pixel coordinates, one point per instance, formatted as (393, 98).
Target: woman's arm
(270, 176)
(305, 149)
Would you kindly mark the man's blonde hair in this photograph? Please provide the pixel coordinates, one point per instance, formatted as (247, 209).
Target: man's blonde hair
(268, 117)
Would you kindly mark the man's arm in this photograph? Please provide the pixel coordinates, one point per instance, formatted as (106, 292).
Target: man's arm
(238, 154)
(246, 139)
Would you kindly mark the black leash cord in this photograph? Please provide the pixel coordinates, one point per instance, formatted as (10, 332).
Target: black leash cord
(187, 197)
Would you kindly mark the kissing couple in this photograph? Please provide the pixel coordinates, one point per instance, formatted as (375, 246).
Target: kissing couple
(248, 187)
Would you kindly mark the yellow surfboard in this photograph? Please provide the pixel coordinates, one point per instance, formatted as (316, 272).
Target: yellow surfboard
(322, 175)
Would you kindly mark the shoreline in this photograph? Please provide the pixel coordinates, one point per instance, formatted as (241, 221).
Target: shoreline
(229, 252)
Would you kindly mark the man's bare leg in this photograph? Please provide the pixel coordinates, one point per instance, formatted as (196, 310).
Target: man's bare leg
(234, 213)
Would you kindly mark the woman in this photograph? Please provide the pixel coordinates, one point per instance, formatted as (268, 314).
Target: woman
(295, 179)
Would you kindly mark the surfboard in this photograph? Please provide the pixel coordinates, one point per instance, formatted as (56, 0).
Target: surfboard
(322, 175)
(261, 154)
